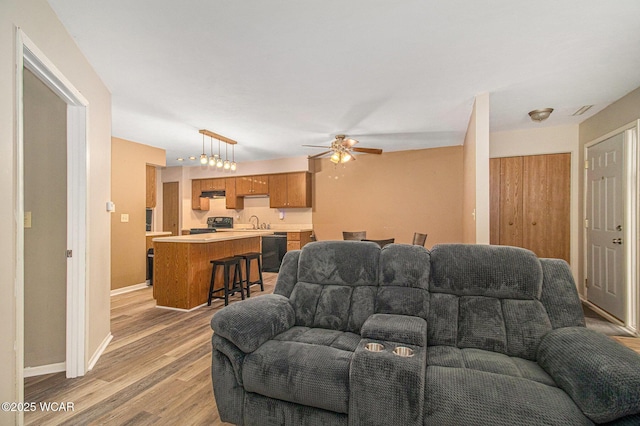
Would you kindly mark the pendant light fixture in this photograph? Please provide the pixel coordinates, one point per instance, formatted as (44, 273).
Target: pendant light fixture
(219, 159)
(227, 164)
(233, 159)
(215, 160)
(203, 156)
(212, 158)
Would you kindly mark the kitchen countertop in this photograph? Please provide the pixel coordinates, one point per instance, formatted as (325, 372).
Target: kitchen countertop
(244, 230)
(157, 233)
(214, 236)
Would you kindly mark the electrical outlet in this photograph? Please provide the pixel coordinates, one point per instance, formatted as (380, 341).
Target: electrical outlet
(124, 217)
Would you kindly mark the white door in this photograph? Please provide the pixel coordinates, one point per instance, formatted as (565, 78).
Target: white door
(605, 215)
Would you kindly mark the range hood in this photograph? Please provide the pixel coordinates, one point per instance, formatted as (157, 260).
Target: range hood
(213, 194)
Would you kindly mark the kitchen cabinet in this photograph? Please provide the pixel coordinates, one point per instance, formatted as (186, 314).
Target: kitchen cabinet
(252, 185)
(231, 196)
(297, 240)
(198, 203)
(529, 204)
(214, 184)
(150, 187)
(290, 190)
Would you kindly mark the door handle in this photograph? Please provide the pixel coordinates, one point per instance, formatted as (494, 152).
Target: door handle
(617, 241)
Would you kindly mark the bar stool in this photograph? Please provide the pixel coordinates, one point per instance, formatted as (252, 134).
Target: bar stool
(248, 257)
(226, 262)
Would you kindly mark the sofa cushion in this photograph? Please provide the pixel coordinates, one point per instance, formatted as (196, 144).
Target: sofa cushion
(404, 281)
(303, 373)
(490, 271)
(491, 362)
(318, 336)
(350, 263)
(464, 396)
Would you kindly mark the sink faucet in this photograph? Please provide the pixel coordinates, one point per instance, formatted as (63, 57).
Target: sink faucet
(257, 221)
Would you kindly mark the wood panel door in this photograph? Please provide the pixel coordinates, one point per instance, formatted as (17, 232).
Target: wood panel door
(278, 194)
(511, 201)
(150, 187)
(545, 205)
(530, 203)
(299, 189)
(170, 207)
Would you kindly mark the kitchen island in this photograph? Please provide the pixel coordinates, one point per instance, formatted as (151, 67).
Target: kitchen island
(182, 264)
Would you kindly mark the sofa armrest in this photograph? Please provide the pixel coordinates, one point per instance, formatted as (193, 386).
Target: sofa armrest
(250, 323)
(600, 375)
(395, 328)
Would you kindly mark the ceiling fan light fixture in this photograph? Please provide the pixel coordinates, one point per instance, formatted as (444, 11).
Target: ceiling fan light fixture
(335, 157)
(345, 157)
(540, 114)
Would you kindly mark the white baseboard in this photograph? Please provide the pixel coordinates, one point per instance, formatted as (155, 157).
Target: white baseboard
(96, 355)
(45, 369)
(130, 288)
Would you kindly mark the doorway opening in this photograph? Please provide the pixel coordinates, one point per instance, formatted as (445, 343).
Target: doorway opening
(29, 57)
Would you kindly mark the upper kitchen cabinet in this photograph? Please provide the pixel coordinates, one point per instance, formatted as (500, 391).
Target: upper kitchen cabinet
(198, 203)
(216, 184)
(290, 190)
(151, 187)
(252, 185)
(231, 196)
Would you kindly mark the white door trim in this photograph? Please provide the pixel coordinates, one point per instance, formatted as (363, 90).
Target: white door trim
(29, 56)
(631, 219)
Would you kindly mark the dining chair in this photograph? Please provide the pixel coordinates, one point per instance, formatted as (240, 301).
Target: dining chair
(358, 235)
(382, 243)
(419, 239)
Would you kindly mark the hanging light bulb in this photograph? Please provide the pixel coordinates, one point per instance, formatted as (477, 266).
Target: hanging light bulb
(345, 157)
(226, 164)
(203, 157)
(233, 158)
(219, 160)
(212, 159)
(335, 157)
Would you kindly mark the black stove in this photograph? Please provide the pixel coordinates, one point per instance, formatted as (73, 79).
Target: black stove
(220, 222)
(213, 223)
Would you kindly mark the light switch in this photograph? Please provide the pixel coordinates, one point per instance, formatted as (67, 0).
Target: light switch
(27, 219)
(124, 217)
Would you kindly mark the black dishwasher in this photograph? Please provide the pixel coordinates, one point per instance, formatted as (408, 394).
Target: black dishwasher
(273, 249)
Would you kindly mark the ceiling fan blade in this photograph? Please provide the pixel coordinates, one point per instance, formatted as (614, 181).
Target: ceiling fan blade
(319, 155)
(348, 142)
(368, 150)
(317, 146)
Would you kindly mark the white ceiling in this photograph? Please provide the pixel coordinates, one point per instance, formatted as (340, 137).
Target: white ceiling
(396, 75)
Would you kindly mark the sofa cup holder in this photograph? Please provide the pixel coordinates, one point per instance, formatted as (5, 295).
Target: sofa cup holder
(374, 347)
(403, 351)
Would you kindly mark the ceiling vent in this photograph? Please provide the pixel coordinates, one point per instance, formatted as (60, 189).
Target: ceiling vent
(582, 110)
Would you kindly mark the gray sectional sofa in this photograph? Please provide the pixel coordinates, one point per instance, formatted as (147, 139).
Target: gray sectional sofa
(496, 337)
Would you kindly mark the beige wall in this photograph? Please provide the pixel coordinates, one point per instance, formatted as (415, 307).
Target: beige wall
(549, 140)
(475, 216)
(45, 267)
(40, 24)
(128, 190)
(391, 195)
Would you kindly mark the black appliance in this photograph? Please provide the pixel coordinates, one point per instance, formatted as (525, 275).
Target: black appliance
(149, 217)
(220, 222)
(213, 223)
(273, 249)
(201, 230)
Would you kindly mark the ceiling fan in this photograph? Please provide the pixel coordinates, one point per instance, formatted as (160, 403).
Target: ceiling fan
(341, 149)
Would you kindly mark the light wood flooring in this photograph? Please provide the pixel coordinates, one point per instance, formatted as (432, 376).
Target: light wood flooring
(156, 370)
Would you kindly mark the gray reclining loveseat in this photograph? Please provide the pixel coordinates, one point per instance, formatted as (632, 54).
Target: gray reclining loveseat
(465, 334)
